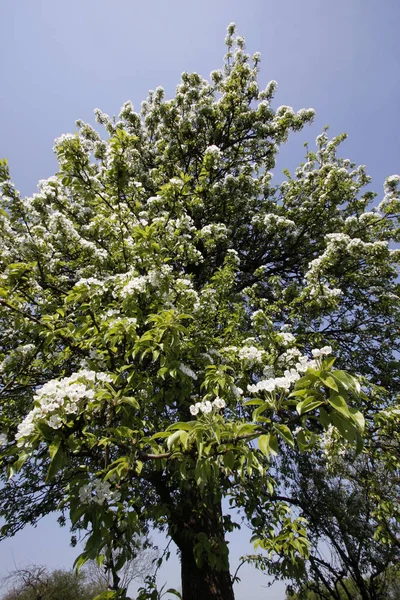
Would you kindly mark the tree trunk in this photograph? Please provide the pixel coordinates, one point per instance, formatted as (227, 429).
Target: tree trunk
(195, 517)
(203, 583)
(201, 521)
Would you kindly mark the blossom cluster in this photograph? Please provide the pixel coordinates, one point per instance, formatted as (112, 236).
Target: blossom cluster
(333, 446)
(317, 353)
(290, 375)
(98, 491)
(250, 354)
(275, 383)
(58, 399)
(187, 371)
(19, 354)
(207, 406)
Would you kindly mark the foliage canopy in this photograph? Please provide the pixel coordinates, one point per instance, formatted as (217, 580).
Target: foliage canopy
(168, 315)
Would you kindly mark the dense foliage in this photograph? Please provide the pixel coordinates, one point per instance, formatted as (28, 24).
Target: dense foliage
(169, 317)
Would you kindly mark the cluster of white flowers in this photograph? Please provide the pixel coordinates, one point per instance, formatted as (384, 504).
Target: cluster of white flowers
(275, 383)
(135, 285)
(268, 371)
(207, 406)
(216, 76)
(65, 137)
(250, 354)
(132, 284)
(187, 371)
(17, 355)
(318, 352)
(186, 296)
(237, 391)
(290, 375)
(3, 439)
(213, 151)
(391, 183)
(337, 243)
(60, 397)
(274, 223)
(123, 321)
(98, 491)
(210, 234)
(233, 256)
(283, 110)
(286, 337)
(257, 314)
(60, 225)
(392, 192)
(305, 363)
(96, 286)
(176, 181)
(322, 291)
(333, 446)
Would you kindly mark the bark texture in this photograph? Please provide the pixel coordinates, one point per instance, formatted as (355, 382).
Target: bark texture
(204, 583)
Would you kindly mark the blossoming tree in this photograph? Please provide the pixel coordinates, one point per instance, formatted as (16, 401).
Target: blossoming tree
(170, 318)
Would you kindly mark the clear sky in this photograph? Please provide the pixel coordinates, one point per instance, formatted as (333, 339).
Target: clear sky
(59, 60)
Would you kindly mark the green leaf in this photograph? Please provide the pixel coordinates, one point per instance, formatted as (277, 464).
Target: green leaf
(107, 595)
(268, 444)
(77, 512)
(339, 404)
(229, 460)
(324, 417)
(358, 418)
(302, 441)
(348, 381)
(254, 402)
(184, 437)
(54, 446)
(302, 392)
(174, 592)
(285, 433)
(329, 382)
(345, 427)
(22, 458)
(256, 414)
(80, 561)
(246, 429)
(308, 404)
(131, 401)
(173, 439)
(57, 459)
(185, 425)
(46, 431)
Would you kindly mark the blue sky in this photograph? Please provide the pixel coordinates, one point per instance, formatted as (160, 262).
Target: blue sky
(60, 60)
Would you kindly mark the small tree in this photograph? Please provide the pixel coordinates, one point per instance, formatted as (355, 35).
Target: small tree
(352, 549)
(137, 569)
(37, 583)
(169, 315)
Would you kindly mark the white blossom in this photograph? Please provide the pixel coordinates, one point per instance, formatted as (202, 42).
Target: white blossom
(321, 351)
(250, 354)
(237, 391)
(55, 422)
(98, 491)
(206, 407)
(58, 397)
(214, 151)
(219, 403)
(187, 371)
